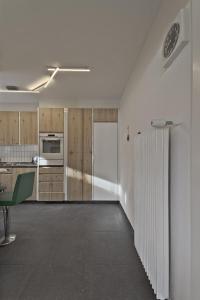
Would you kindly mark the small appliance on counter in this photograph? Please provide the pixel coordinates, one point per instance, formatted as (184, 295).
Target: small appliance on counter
(51, 149)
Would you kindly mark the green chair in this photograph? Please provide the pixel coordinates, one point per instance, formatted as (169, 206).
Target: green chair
(23, 190)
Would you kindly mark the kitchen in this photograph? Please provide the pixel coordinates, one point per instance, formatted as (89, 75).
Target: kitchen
(61, 145)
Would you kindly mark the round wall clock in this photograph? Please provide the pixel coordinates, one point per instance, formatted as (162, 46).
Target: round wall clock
(171, 40)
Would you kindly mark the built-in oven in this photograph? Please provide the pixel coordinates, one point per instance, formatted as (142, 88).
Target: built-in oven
(51, 149)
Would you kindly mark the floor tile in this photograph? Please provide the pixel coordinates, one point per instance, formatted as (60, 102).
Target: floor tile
(117, 282)
(71, 252)
(12, 280)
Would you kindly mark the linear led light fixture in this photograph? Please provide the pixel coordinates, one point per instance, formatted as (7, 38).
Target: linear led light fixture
(69, 69)
(38, 87)
(19, 91)
(51, 78)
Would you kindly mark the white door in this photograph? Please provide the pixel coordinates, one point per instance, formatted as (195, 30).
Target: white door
(105, 181)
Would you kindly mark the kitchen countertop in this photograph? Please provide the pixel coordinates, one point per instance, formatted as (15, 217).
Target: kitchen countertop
(18, 165)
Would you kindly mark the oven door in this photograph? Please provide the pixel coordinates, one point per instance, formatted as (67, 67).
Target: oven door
(51, 148)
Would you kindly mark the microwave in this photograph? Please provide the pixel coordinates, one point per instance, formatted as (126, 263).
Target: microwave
(51, 148)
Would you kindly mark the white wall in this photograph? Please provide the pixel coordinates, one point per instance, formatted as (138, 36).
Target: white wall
(195, 157)
(84, 103)
(30, 103)
(152, 93)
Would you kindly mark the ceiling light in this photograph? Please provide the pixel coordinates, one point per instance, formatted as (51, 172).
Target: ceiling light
(69, 69)
(19, 91)
(39, 86)
(51, 78)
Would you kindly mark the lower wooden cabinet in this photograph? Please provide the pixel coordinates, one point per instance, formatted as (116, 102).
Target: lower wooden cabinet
(6, 181)
(51, 184)
(9, 179)
(51, 196)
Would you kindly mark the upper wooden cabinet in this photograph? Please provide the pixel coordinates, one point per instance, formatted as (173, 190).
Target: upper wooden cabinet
(51, 120)
(28, 128)
(105, 115)
(9, 128)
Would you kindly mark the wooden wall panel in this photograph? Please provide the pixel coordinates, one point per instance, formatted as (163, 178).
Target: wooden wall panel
(105, 115)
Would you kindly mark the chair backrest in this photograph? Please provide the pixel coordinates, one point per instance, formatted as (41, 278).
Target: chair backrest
(23, 187)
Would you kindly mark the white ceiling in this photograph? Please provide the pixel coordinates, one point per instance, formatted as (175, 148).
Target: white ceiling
(105, 35)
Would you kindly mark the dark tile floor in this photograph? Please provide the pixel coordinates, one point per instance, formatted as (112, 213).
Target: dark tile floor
(72, 252)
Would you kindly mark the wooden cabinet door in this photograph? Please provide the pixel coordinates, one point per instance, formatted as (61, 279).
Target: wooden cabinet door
(17, 171)
(87, 154)
(75, 131)
(45, 187)
(57, 119)
(105, 115)
(12, 128)
(51, 120)
(45, 119)
(3, 128)
(79, 179)
(51, 184)
(28, 128)
(9, 128)
(6, 181)
(75, 154)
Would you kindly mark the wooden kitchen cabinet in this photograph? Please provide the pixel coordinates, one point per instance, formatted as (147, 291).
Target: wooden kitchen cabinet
(51, 120)
(105, 115)
(17, 171)
(79, 175)
(9, 124)
(6, 181)
(10, 127)
(3, 126)
(28, 128)
(51, 184)
(9, 178)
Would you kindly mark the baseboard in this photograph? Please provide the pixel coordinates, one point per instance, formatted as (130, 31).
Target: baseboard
(93, 202)
(71, 202)
(125, 215)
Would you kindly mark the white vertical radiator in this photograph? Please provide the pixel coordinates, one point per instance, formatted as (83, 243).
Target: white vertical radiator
(151, 206)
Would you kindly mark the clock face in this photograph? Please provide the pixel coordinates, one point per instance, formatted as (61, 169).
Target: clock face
(171, 40)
